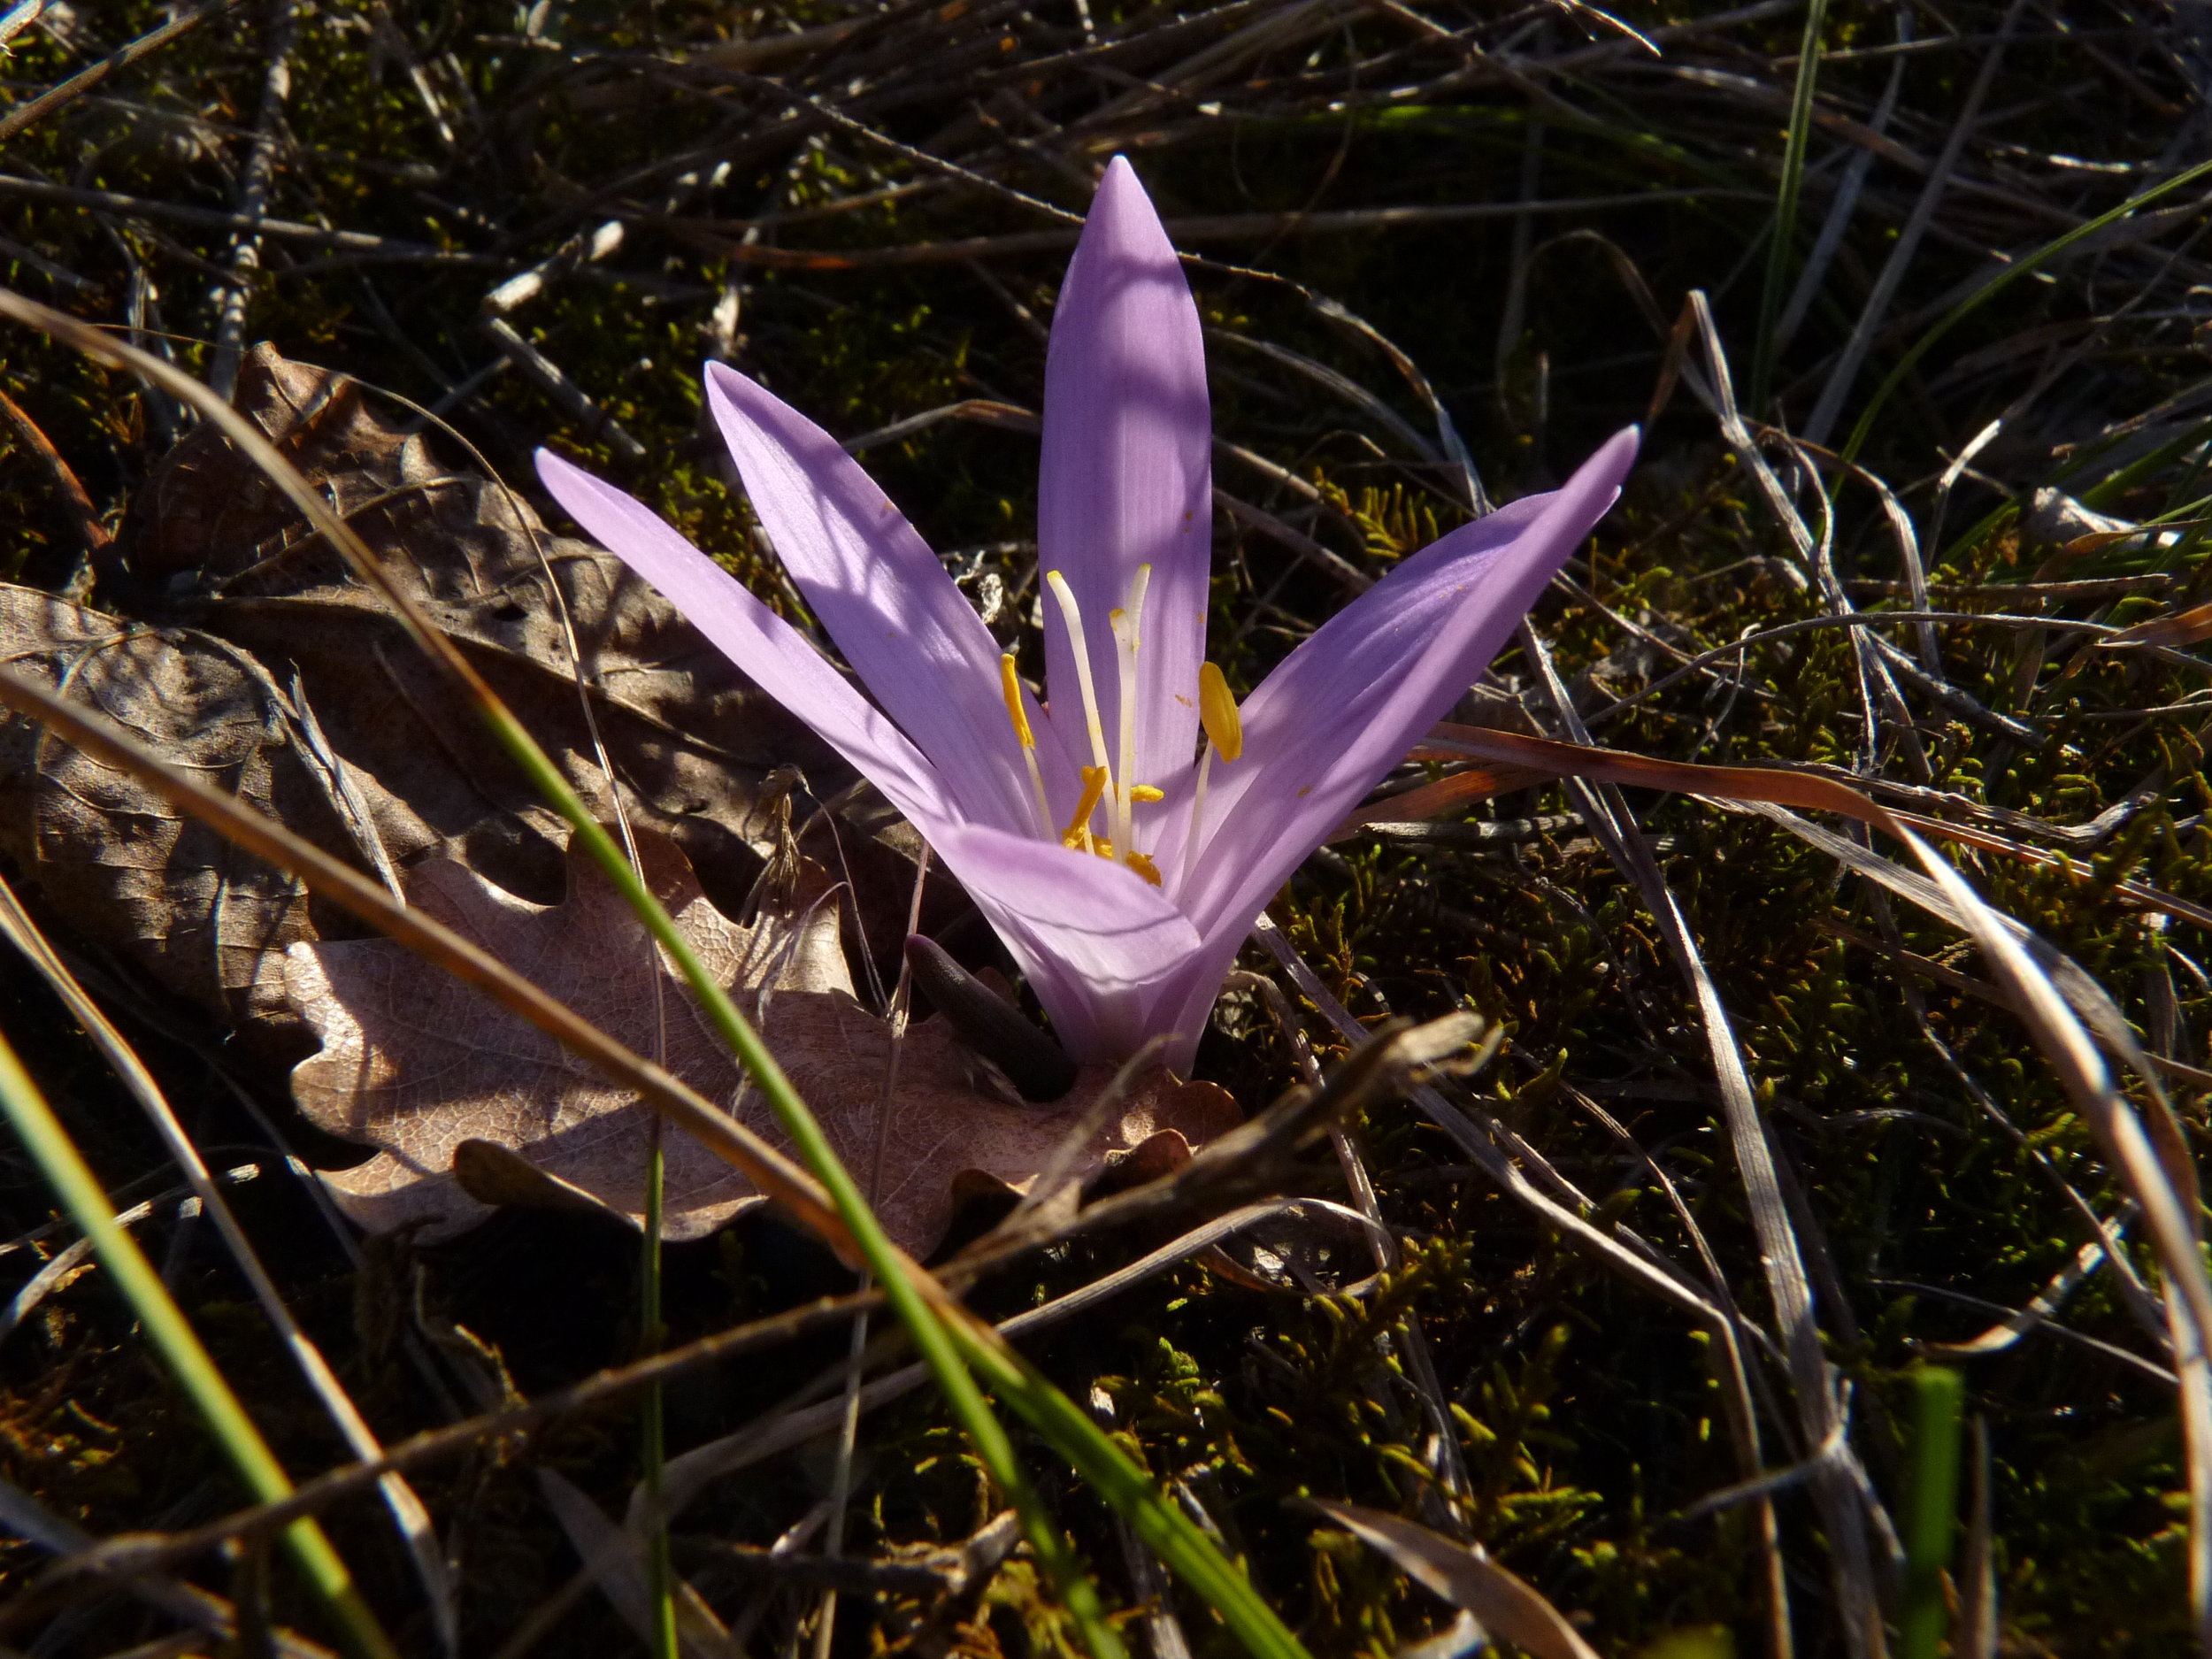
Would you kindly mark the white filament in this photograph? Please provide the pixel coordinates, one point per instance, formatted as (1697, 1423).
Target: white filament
(1080, 645)
(1128, 624)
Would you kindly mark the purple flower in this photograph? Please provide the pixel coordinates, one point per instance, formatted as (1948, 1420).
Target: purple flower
(1122, 862)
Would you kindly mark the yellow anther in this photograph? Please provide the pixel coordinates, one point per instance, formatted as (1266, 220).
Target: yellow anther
(1010, 686)
(1143, 866)
(1077, 834)
(1225, 737)
(1217, 713)
(1146, 792)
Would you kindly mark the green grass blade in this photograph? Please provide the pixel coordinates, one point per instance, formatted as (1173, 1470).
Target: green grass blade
(188, 1360)
(1782, 243)
(1189, 1552)
(2113, 488)
(949, 1345)
(1996, 285)
(652, 1416)
(1931, 1516)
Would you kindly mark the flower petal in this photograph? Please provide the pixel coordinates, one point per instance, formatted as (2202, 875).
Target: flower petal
(914, 641)
(764, 646)
(1099, 944)
(1345, 705)
(1124, 478)
(1184, 1003)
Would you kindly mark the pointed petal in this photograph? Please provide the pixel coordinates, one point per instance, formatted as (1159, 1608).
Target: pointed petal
(762, 644)
(1346, 704)
(1100, 945)
(1186, 1003)
(914, 641)
(1124, 478)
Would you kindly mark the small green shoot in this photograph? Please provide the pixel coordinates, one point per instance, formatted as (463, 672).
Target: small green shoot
(1932, 1512)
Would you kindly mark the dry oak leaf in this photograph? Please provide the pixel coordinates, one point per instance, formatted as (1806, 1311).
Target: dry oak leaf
(416, 1063)
(124, 871)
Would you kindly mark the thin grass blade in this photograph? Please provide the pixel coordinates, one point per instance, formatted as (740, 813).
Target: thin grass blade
(2012, 273)
(2169, 1219)
(413, 1520)
(188, 1360)
(1782, 241)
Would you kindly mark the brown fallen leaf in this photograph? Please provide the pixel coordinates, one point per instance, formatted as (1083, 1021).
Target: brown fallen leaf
(201, 920)
(417, 1064)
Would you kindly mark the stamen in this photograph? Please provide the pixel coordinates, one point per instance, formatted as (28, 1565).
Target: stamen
(1098, 780)
(1124, 655)
(1011, 687)
(1197, 816)
(1225, 736)
(1218, 712)
(1077, 834)
(1128, 624)
(1079, 645)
